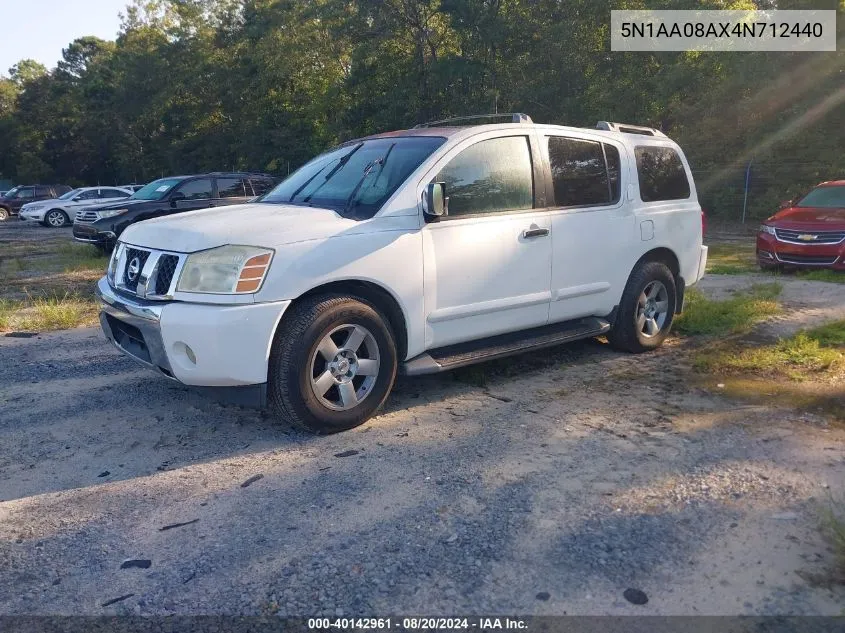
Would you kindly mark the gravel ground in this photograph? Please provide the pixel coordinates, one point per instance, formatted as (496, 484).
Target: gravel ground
(566, 479)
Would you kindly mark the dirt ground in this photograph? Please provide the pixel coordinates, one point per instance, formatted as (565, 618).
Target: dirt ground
(561, 481)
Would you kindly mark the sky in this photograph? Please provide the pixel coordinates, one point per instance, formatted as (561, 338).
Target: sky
(40, 29)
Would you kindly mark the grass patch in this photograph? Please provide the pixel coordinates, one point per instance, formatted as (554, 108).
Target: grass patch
(47, 313)
(830, 276)
(738, 314)
(731, 259)
(811, 353)
(72, 257)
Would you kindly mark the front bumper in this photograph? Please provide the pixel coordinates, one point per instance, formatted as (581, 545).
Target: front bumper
(773, 252)
(32, 216)
(90, 234)
(196, 344)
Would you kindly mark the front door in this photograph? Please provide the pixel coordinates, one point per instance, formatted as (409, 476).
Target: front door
(198, 194)
(488, 262)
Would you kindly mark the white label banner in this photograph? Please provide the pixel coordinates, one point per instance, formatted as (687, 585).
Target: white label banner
(739, 31)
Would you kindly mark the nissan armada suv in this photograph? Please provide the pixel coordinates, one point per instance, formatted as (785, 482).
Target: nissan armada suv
(415, 251)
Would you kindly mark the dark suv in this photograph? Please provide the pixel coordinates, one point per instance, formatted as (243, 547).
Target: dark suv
(102, 224)
(15, 198)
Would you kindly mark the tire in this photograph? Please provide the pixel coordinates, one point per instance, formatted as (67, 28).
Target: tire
(650, 287)
(56, 218)
(4, 214)
(313, 380)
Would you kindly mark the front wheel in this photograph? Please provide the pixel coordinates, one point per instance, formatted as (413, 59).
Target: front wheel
(4, 214)
(332, 365)
(646, 310)
(55, 218)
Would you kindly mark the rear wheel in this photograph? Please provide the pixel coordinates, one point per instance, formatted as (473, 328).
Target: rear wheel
(333, 363)
(646, 310)
(55, 218)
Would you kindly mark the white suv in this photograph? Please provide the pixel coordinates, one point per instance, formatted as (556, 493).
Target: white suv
(61, 211)
(414, 251)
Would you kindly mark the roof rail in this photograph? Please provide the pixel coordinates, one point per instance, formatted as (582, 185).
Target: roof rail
(628, 129)
(513, 117)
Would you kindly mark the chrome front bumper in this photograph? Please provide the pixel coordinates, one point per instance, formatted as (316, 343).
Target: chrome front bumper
(132, 325)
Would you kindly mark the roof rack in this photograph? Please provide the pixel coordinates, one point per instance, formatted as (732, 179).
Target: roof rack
(513, 117)
(628, 129)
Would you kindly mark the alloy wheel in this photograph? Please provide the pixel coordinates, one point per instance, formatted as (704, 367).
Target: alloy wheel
(652, 309)
(344, 367)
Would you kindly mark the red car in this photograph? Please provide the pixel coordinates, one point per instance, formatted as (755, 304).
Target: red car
(809, 233)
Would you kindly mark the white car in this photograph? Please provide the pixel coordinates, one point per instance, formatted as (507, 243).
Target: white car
(414, 251)
(61, 211)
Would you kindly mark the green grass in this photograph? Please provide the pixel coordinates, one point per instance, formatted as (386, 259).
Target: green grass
(731, 259)
(47, 313)
(710, 317)
(833, 527)
(830, 276)
(798, 357)
(72, 257)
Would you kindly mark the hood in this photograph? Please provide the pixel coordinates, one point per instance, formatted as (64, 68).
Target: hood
(816, 217)
(126, 203)
(268, 225)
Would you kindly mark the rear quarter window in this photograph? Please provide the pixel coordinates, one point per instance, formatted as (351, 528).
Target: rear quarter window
(661, 174)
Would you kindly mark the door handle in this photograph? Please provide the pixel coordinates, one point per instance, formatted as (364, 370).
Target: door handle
(534, 232)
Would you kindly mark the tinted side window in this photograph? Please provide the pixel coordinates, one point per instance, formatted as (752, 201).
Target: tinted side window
(579, 173)
(261, 185)
(196, 189)
(231, 188)
(91, 194)
(26, 193)
(112, 193)
(661, 174)
(490, 177)
(42, 192)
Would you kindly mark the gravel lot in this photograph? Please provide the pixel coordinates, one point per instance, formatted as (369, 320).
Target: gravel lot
(566, 479)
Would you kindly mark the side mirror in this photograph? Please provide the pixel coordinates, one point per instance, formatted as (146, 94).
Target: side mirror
(435, 202)
(176, 197)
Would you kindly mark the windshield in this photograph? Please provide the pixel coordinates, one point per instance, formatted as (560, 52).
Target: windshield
(825, 197)
(70, 194)
(11, 192)
(156, 190)
(357, 178)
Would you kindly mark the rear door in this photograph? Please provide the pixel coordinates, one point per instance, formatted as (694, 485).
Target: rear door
(233, 190)
(592, 226)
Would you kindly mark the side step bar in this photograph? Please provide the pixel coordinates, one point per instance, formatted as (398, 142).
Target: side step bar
(461, 354)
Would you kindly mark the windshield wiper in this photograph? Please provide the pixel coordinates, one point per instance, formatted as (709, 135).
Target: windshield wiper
(334, 170)
(351, 201)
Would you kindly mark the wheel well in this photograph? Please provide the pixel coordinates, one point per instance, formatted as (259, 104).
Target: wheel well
(376, 295)
(664, 256)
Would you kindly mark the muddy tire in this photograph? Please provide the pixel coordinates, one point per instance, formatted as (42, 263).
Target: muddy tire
(646, 310)
(332, 365)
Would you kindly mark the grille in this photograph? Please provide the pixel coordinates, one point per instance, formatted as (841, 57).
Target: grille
(789, 258)
(132, 253)
(166, 268)
(86, 216)
(822, 237)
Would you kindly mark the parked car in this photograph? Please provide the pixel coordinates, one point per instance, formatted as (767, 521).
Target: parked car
(61, 211)
(806, 233)
(414, 251)
(18, 196)
(101, 225)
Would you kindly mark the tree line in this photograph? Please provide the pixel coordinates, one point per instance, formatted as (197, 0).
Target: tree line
(263, 85)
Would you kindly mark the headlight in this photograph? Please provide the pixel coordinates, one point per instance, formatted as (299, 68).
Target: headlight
(765, 228)
(225, 270)
(110, 213)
